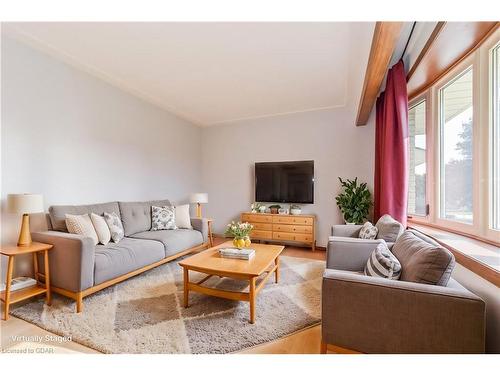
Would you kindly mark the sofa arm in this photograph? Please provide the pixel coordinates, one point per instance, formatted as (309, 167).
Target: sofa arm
(377, 315)
(346, 230)
(201, 225)
(349, 254)
(71, 259)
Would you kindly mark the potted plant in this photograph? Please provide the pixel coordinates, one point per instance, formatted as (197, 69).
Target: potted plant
(354, 201)
(257, 207)
(274, 208)
(295, 209)
(240, 233)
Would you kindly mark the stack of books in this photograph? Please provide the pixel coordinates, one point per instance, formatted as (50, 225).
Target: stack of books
(234, 253)
(19, 283)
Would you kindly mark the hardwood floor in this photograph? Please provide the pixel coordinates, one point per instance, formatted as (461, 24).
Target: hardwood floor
(306, 341)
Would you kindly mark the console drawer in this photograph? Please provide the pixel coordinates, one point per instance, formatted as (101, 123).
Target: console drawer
(303, 237)
(292, 228)
(256, 218)
(292, 237)
(261, 234)
(293, 220)
(283, 236)
(261, 226)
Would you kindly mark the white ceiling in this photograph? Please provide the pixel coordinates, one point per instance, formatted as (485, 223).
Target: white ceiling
(212, 73)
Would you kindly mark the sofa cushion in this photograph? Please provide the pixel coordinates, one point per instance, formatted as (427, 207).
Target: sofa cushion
(136, 216)
(423, 261)
(101, 228)
(115, 226)
(383, 263)
(389, 229)
(175, 241)
(183, 217)
(368, 231)
(163, 218)
(57, 214)
(116, 259)
(82, 225)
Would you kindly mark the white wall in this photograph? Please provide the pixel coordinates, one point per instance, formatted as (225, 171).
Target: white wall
(328, 137)
(76, 140)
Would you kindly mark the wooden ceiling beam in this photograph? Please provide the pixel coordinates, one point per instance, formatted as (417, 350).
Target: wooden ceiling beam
(385, 38)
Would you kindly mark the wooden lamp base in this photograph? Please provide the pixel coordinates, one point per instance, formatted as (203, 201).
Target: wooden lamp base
(198, 210)
(25, 235)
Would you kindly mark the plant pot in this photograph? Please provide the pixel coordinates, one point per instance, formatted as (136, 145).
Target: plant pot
(274, 210)
(295, 211)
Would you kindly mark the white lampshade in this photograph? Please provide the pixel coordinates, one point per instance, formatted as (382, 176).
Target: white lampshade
(24, 203)
(199, 198)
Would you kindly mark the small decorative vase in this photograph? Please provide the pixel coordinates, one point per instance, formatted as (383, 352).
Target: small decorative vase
(240, 243)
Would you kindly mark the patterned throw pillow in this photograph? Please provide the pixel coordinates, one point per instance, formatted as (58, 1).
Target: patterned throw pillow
(163, 218)
(115, 226)
(382, 263)
(82, 225)
(368, 231)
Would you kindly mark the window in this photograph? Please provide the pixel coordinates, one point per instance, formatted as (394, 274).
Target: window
(454, 148)
(417, 204)
(495, 136)
(456, 153)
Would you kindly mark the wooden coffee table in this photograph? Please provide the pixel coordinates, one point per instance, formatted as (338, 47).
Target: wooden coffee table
(209, 262)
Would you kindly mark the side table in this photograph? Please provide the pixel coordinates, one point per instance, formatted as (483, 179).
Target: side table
(9, 297)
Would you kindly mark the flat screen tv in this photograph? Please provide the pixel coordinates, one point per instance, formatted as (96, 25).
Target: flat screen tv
(285, 182)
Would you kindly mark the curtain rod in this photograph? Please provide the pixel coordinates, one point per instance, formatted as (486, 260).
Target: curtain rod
(408, 41)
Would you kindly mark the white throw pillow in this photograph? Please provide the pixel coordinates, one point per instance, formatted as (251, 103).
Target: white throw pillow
(182, 217)
(81, 224)
(101, 228)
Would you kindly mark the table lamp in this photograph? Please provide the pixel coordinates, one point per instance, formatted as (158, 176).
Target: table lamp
(199, 198)
(25, 204)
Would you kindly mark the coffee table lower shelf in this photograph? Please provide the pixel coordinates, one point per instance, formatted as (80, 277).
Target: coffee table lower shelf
(250, 296)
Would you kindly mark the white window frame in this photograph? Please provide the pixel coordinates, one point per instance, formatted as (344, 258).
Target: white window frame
(482, 118)
(487, 107)
(458, 71)
(425, 97)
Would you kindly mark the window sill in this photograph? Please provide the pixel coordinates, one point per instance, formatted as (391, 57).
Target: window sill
(481, 258)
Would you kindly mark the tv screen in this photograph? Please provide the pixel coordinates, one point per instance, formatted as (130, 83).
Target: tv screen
(285, 182)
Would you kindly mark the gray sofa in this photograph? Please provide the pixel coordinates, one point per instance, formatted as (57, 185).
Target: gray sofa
(78, 268)
(377, 315)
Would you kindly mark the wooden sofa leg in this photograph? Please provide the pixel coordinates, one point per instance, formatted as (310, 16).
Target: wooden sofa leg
(79, 302)
(323, 348)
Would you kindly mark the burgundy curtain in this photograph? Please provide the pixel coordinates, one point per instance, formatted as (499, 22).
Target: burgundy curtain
(391, 147)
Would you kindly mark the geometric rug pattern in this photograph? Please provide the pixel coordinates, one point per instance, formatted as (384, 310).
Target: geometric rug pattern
(144, 314)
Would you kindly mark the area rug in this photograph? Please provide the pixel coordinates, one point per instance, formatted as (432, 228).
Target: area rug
(145, 314)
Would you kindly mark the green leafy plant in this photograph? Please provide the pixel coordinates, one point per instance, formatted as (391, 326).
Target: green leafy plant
(355, 201)
(277, 206)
